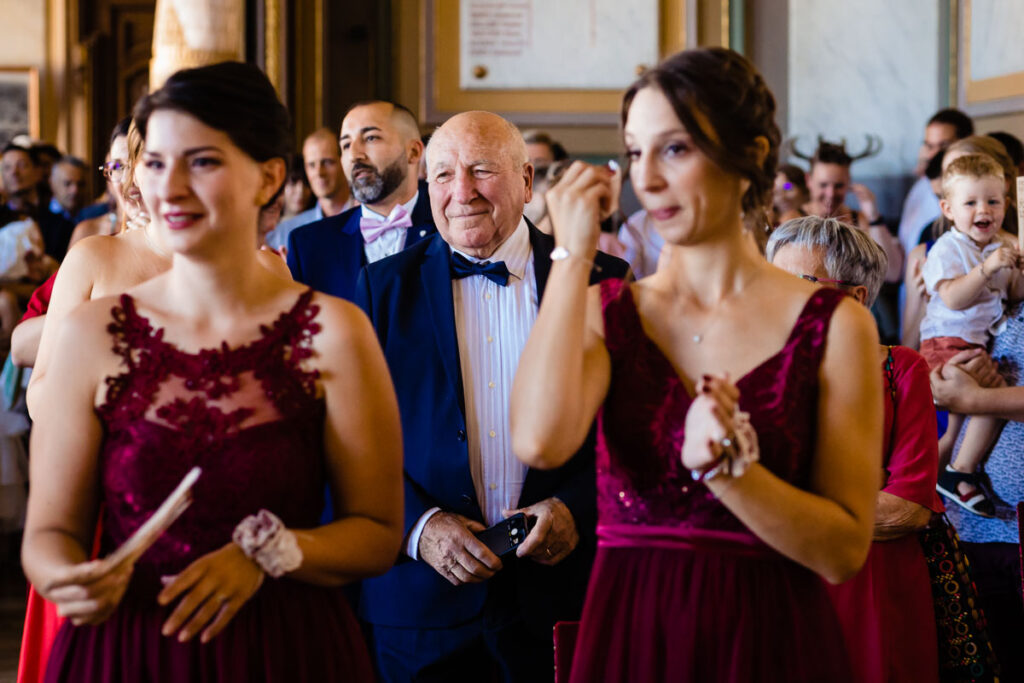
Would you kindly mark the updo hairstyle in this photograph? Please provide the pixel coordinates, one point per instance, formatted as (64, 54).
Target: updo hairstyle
(723, 88)
(232, 97)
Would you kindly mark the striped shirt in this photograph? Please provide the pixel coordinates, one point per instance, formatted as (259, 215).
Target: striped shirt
(492, 324)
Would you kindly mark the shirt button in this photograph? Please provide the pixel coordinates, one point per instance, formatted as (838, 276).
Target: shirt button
(490, 339)
(493, 486)
(491, 434)
(487, 296)
(490, 384)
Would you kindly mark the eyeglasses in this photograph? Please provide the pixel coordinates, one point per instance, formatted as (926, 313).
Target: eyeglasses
(824, 281)
(114, 171)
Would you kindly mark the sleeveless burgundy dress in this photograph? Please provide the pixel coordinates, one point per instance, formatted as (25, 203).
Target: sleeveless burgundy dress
(681, 590)
(250, 417)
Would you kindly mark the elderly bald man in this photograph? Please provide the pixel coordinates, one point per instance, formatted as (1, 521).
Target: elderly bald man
(453, 313)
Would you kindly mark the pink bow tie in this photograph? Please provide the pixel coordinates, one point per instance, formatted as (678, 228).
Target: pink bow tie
(373, 228)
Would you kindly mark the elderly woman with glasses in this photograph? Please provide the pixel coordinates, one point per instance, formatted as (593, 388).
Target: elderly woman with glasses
(886, 610)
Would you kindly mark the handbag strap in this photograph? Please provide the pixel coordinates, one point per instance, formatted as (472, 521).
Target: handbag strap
(890, 376)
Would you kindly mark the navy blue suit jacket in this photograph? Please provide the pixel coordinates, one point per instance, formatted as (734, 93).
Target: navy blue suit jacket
(328, 254)
(408, 297)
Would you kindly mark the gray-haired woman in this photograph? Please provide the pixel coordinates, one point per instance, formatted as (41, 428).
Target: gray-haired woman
(885, 610)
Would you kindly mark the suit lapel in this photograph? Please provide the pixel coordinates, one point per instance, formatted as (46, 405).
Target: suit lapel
(542, 245)
(437, 287)
(421, 209)
(353, 255)
(422, 219)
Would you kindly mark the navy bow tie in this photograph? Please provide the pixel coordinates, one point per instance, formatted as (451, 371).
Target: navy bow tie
(496, 272)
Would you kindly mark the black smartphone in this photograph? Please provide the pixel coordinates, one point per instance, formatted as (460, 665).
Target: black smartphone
(505, 536)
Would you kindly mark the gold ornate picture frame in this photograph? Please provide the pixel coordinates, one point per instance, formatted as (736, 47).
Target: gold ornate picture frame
(19, 102)
(983, 89)
(442, 95)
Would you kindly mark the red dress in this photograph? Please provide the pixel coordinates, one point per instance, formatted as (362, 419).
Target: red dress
(681, 590)
(250, 417)
(886, 610)
(41, 620)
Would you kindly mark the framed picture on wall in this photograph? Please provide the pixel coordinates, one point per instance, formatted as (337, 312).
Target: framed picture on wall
(989, 63)
(543, 63)
(19, 102)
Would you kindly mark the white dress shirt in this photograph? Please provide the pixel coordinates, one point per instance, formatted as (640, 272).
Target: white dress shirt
(390, 242)
(492, 324)
(919, 210)
(643, 244)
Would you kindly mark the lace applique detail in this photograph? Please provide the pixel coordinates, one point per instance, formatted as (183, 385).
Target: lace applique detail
(274, 360)
(208, 422)
(249, 416)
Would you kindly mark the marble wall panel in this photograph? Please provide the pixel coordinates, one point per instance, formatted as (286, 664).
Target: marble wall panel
(996, 48)
(870, 66)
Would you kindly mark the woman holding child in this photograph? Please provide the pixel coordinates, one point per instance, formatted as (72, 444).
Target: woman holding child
(970, 273)
(991, 541)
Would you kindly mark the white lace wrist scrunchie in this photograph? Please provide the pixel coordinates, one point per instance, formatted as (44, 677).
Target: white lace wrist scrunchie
(265, 540)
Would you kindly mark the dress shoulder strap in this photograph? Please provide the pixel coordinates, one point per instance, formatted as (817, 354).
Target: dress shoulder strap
(810, 332)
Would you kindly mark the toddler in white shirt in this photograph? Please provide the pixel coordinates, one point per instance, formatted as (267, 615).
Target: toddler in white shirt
(969, 273)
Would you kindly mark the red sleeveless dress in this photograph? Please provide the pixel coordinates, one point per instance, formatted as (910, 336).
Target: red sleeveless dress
(681, 590)
(250, 417)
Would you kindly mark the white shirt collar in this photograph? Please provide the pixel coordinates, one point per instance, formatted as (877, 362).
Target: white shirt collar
(514, 251)
(408, 206)
(994, 244)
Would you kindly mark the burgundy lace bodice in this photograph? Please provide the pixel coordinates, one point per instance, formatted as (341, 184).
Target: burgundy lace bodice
(640, 477)
(249, 416)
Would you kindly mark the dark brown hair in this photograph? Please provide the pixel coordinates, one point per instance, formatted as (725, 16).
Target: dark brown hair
(232, 97)
(831, 153)
(725, 89)
(795, 175)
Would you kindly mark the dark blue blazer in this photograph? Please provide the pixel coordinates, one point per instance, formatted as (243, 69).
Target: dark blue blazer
(408, 297)
(328, 254)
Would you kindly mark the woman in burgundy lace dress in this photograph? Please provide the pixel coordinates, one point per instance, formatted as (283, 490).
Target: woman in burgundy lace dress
(219, 363)
(710, 560)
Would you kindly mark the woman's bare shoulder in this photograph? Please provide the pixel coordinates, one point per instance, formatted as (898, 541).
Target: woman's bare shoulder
(89, 228)
(273, 262)
(98, 247)
(340, 315)
(87, 323)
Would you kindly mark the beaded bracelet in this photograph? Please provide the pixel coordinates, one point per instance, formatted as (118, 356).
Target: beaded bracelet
(739, 451)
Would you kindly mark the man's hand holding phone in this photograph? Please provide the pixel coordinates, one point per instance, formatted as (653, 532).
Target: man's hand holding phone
(554, 534)
(449, 545)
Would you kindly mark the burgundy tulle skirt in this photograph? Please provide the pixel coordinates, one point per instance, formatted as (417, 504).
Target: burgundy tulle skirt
(288, 631)
(718, 613)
